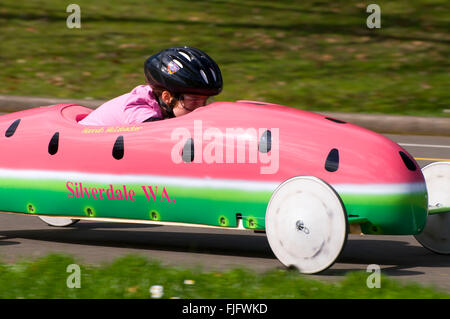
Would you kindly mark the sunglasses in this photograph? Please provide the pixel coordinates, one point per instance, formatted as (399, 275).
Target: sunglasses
(190, 103)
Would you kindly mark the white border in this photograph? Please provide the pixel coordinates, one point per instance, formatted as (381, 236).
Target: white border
(207, 182)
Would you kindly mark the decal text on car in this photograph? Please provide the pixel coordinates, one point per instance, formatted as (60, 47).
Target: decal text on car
(112, 129)
(115, 193)
(235, 145)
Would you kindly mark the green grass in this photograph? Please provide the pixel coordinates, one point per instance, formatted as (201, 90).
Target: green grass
(317, 55)
(132, 277)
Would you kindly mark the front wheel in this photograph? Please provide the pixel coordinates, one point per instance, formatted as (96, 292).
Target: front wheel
(436, 234)
(306, 224)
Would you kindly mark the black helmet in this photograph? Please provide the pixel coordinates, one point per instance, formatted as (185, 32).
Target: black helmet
(184, 70)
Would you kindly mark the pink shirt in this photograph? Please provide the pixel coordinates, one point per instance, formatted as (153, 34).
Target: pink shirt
(131, 108)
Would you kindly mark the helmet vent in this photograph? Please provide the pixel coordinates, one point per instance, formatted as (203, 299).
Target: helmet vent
(204, 76)
(178, 63)
(213, 73)
(185, 55)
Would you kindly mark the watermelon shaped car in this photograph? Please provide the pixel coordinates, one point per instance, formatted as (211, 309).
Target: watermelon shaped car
(304, 179)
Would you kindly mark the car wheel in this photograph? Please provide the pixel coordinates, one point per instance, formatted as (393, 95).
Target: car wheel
(58, 221)
(436, 234)
(306, 224)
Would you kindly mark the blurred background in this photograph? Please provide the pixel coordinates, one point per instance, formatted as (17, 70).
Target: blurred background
(315, 55)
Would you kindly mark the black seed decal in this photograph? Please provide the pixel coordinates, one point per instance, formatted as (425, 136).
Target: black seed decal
(53, 145)
(251, 102)
(188, 151)
(408, 162)
(265, 142)
(335, 120)
(332, 162)
(12, 128)
(118, 149)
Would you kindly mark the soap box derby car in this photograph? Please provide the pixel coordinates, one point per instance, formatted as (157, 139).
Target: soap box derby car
(327, 178)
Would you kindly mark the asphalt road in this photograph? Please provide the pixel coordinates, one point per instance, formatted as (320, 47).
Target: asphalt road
(400, 257)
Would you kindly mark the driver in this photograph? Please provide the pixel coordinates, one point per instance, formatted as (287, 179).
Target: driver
(179, 80)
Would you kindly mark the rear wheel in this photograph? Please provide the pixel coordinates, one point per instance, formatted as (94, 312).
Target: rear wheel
(58, 221)
(306, 224)
(436, 234)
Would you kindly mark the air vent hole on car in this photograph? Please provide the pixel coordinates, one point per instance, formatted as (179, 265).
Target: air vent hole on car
(118, 149)
(265, 142)
(332, 162)
(188, 151)
(54, 144)
(12, 128)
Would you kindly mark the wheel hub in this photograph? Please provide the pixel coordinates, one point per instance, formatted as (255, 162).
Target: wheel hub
(301, 227)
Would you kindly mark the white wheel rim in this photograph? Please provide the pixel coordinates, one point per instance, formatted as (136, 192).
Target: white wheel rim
(306, 224)
(58, 221)
(436, 235)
